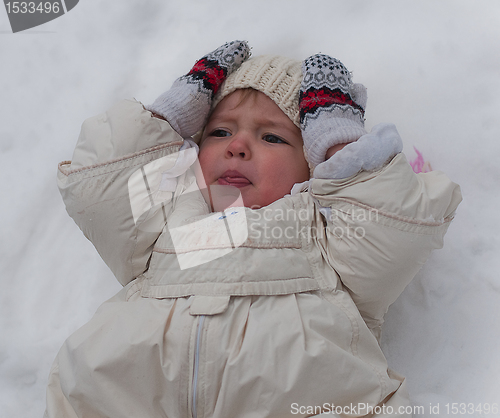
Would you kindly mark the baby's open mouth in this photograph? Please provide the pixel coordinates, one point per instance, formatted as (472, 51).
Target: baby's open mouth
(233, 178)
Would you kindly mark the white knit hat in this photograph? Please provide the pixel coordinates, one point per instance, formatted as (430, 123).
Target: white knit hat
(317, 95)
(277, 77)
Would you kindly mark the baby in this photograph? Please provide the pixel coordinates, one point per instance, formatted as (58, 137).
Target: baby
(260, 234)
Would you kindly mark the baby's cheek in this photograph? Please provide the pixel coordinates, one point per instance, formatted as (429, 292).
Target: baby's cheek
(205, 161)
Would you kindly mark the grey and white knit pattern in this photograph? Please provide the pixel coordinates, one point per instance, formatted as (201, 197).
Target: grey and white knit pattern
(331, 106)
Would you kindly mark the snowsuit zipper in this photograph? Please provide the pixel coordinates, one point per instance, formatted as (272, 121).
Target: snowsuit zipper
(201, 319)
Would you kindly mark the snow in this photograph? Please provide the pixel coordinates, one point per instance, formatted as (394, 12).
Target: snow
(431, 67)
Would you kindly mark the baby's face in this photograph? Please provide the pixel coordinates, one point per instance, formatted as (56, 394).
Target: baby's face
(253, 146)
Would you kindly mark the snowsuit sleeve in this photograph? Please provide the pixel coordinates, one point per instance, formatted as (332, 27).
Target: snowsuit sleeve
(381, 228)
(112, 151)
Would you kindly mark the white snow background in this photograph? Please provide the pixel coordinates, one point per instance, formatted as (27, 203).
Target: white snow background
(431, 66)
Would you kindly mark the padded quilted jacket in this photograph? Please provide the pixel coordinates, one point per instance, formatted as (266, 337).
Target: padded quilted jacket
(273, 312)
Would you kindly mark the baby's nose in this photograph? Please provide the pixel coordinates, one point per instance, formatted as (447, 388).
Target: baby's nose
(238, 147)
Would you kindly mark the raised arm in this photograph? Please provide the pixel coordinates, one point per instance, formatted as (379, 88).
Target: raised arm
(382, 226)
(95, 185)
(127, 163)
(383, 220)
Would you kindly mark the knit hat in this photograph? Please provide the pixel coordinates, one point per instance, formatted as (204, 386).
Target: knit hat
(277, 77)
(316, 94)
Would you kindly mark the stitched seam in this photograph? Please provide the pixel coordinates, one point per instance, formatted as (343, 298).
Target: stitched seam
(116, 160)
(239, 293)
(249, 243)
(355, 336)
(246, 281)
(394, 216)
(177, 250)
(129, 296)
(308, 288)
(352, 319)
(135, 287)
(110, 169)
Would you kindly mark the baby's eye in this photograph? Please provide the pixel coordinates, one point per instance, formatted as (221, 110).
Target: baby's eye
(220, 133)
(274, 139)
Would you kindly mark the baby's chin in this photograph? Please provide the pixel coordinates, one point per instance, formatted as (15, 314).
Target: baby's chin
(223, 197)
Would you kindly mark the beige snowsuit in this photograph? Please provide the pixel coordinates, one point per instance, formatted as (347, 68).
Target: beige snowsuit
(274, 312)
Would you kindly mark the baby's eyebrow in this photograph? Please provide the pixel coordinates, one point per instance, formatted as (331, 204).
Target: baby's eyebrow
(220, 118)
(261, 120)
(279, 125)
(271, 123)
